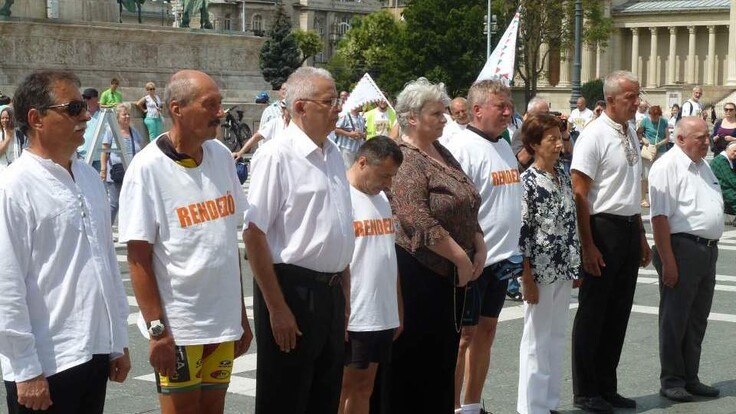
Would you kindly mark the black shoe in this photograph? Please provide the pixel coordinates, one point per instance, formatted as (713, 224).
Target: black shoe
(677, 394)
(618, 401)
(515, 296)
(592, 404)
(702, 390)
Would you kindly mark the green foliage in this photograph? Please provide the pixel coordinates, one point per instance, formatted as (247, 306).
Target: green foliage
(308, 42)
(592, 91)
(131, 5)
(280, 53)
(343, 72)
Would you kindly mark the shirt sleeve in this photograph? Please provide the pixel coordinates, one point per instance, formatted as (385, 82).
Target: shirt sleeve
(662, 190)
(264, 195)
(17, 341)
(137, 218)
(586, 157)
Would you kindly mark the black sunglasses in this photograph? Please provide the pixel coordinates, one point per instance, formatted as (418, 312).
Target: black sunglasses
(73, 108)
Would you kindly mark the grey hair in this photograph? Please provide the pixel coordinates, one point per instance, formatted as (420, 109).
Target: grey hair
(612, 84)
(531, 107)
(119, 108)
(415, 95)
(682, 127)
(301, 84)
(180, 89)
(480, 91)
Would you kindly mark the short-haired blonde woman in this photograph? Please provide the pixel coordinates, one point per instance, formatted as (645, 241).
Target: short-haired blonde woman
(551, 250)
(439, 248)
(151, 105)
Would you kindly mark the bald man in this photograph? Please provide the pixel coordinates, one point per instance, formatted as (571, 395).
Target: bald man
(180, 205)
(457, 121)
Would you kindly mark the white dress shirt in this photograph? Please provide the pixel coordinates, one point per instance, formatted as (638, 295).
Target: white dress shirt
(687, 193)
(62, 296)
(299, 197)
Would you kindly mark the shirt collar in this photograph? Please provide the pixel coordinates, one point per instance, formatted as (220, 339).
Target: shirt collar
(304, 145)
(615, 125)
(482, 134)
(682, 160)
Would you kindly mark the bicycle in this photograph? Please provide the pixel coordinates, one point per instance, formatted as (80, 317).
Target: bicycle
(234, 131)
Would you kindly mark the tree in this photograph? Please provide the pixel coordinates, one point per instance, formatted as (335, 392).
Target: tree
(279, 54)
(592, 92)
(309, 43)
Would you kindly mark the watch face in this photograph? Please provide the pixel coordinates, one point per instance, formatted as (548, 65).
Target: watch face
(156, 330)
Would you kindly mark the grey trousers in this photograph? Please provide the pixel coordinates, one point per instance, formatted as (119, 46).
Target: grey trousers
(684, 310)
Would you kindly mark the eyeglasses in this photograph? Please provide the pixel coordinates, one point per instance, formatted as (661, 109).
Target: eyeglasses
(334, 102)
(73, 108)
(150, 89)
(729, 109)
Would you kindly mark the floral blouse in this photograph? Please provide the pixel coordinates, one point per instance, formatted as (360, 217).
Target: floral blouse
(549, 236)
(430, 202)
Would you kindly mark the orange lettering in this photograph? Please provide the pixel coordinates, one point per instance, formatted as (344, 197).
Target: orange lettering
(184, 218)
(221, 207)
(358, 227)
(202, 209)
(388, 226)
(193, 212)
(212, 209)
(230, 203)
(368, 227)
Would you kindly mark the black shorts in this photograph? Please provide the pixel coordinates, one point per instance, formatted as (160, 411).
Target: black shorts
(485, 297)
(362, 348)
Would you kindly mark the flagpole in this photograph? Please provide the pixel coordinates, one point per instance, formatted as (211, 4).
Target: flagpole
(488, 29)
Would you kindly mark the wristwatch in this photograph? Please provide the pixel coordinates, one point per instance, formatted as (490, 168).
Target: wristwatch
(156, 328)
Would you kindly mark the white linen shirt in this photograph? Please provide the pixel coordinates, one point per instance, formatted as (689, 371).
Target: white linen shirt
(299, 197)
(610, 156)
(687, 193)
(62, 296)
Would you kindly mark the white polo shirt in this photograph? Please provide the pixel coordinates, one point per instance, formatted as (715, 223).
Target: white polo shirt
(61, 296)
(299, 197)
(610, 156)
(581, 119)
(687, 193)
(494, 171)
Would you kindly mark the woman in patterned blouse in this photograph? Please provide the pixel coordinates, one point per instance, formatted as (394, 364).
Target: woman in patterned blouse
(439, 248)
(551, 249)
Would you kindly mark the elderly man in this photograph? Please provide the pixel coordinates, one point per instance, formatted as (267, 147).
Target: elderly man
(298, 232)
(536, 105)
(490, 164)
(687, 220)
(581, 116)
(724, 167)
(179, 206)
(63, 308)
(693, 107)
(606, 170)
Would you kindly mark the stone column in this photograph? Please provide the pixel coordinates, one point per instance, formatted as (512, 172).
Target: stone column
(710, 64)
(731, 76)
(598, 60)
(690, 67)
(673, 58)
(565, 59)
(652, 75)
(543, 80)
(635, 51)
(586, 62)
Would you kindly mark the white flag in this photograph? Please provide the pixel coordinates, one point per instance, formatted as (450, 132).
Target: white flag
(500, 65)
(365, 91)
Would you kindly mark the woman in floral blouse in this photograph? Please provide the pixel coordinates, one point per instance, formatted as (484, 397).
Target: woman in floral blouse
(439, 248)
(551, 249)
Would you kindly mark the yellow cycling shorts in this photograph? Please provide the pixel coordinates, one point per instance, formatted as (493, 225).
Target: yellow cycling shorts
(199, 367)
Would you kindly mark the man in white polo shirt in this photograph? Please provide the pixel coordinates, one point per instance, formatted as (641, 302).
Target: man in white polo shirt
(581, 116)
(606, 171)
(179, 209)
(687, 220)
(298, 232)
(492, 166)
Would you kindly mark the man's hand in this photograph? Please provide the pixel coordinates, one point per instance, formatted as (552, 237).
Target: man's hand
(243, 344)
(34, 393)
(670, 276)
(285, 329)
(162, 355)
(120, 367)
(592, 260)
(646, 252)
(576, 283)
(530, 291)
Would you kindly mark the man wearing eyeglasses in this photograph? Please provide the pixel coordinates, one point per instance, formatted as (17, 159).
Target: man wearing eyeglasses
(63, 308)
(179, 208)
(606, 173)
(298, 232)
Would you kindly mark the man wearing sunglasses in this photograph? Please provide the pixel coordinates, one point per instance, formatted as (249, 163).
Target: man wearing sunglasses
(63, 310)
(298, 232)
(93, 106)
(179, 208)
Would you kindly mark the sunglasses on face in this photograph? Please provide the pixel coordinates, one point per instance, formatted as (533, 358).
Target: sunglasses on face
(73, 108)
(729, 109)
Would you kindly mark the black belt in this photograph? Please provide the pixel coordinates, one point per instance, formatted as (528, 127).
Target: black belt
(698, 239)
(302, 274)
(626, 219)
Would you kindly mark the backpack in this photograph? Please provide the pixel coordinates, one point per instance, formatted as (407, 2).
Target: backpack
(262, 98)
(679, 113)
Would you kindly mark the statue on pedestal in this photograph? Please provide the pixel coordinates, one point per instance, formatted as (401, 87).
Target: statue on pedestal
(5, 10)
(192, 6)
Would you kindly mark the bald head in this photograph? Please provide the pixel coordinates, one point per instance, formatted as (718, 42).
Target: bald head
(581, 103)
(459, 110)
(183, 85)
(195, 105)
(692, 137)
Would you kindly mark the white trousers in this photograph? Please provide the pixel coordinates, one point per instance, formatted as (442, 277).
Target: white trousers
(542, 345)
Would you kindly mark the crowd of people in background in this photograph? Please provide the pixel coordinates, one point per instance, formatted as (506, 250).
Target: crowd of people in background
(383, 242)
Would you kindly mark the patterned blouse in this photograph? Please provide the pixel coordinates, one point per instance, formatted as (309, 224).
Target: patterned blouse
(549, 236)
(430, 202)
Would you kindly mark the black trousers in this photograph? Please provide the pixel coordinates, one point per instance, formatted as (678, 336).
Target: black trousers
(309, 378)
(422, 371)
(684, 310)
(77, 390)
(604, 307)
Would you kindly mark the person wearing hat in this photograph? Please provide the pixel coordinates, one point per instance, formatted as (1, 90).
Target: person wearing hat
(92, 97)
